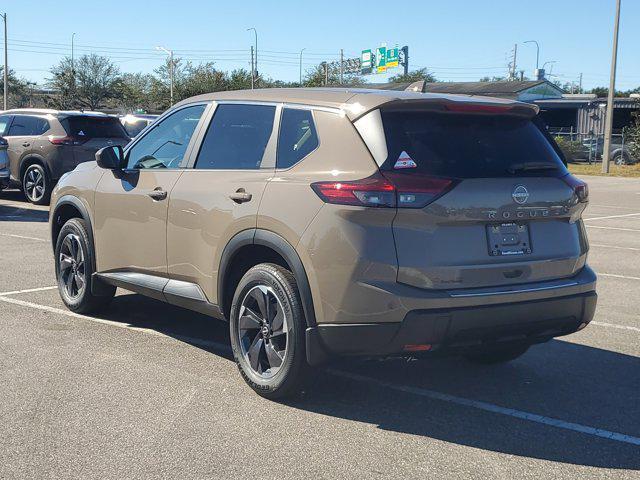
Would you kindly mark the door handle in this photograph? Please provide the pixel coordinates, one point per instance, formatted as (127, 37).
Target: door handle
(158, 194)
(240, 196)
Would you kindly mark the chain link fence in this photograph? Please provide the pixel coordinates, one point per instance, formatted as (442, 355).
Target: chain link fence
(589, 146)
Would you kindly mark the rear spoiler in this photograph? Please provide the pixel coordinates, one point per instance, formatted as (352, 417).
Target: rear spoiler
(475, 107)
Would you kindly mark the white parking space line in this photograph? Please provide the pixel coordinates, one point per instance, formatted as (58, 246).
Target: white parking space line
(614, 247)
(22, 237)
(444, 397)
(490, 407)
(612, 206)
(613, 216)
(28, 290)
(613, 275)
(614, 228)
(613, 325)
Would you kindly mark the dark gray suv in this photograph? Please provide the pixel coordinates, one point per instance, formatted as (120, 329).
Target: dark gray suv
(45, 144)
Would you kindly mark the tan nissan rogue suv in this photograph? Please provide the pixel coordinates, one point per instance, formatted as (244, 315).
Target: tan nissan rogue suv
(329, 222)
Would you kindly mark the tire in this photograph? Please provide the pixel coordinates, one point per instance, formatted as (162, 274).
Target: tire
(270, 354)
(36, 184)
(497, 355)
(75, 264)
(621, 159)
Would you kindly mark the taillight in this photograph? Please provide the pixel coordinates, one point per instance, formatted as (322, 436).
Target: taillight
(374, 191)
(67, 140)
(388, 189)
(579, 187)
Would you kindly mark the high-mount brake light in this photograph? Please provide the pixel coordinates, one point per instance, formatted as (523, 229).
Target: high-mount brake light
(67, 140)
(580, 188)
(387, 189)
(477, 108)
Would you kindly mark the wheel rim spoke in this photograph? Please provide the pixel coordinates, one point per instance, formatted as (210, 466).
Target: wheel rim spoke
(71, 266)
(249, 320)
(65, 262)
(254, 353)
(274, 358)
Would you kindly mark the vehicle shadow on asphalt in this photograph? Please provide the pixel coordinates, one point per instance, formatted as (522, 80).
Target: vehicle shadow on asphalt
(10, 213)
(561, 380)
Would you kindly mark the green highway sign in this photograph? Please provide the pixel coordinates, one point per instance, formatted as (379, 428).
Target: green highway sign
(392, 57)
(381, 59)
(366, 62)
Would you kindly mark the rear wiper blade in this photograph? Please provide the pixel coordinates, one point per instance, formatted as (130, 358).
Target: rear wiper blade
(527, 167)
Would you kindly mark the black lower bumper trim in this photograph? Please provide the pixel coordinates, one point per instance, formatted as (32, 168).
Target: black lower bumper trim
(455, 329)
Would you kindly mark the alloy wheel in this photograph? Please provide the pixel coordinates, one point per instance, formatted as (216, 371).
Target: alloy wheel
(72, 266)
(262, 331)
(34, 184)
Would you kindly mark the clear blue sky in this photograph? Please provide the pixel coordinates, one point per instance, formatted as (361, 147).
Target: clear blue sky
(456, 39)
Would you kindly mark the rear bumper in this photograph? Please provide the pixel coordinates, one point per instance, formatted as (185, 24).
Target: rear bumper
(460, 328)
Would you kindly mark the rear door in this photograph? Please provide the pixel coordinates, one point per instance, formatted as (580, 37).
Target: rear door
(131, 204)
(219, 194)
(90, 134)
(22, 137)
(487, 200)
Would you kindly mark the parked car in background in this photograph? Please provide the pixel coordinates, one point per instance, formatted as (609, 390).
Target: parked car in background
(135, 123)
(620, 154)
(328, 222)
(45, 144)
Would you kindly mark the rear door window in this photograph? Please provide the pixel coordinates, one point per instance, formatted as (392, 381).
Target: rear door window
(26, 125)
(467, 146)
(297, 137)
(237, 137)
(94, 127)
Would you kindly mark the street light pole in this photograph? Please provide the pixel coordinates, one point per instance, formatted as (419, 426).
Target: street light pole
(301, 65)
(255, 32)
(608, 119)
(170, 53)
(6, 63)
(537, 51)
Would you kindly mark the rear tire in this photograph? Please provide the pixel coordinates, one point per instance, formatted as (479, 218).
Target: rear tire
(36, 184)
(267, 327)
(74, 261)
(496, 355)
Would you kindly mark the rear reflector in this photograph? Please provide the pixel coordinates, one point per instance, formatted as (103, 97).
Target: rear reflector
(387, 189)
(417, 348)
(580, 188)
(67, 140)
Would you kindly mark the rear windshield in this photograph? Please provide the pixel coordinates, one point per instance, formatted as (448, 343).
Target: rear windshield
(94, 127)
(468, 146)
(134, 127)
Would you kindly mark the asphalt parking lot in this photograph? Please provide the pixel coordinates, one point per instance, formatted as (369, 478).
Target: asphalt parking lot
(149, 390)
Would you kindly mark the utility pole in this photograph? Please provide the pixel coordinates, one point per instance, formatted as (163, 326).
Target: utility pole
(73, 71)
(252, 69)
(341, 66)
(580, 87)
(326, 73)
(6, 63)
(608, 125)
(512, 70)
(170, 53)
(255, 62)
(301, 65)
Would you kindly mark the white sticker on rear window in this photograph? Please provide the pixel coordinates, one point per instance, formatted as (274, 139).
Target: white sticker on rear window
(80, 132)
(404, 161)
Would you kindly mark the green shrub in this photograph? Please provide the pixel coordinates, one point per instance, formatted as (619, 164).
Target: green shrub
(572, 149)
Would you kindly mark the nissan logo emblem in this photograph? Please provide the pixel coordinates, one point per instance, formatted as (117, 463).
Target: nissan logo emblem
(520, 194)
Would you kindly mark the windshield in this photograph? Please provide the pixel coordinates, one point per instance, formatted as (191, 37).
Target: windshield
(467, 146)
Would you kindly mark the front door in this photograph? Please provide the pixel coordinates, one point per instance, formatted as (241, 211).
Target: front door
(131, 204)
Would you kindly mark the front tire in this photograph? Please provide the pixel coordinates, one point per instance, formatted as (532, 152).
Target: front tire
(36, 184)
(267, 328)
(74, 257)
(495, 355)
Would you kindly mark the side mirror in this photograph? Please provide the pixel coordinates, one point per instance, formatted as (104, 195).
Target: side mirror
(110, 158)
